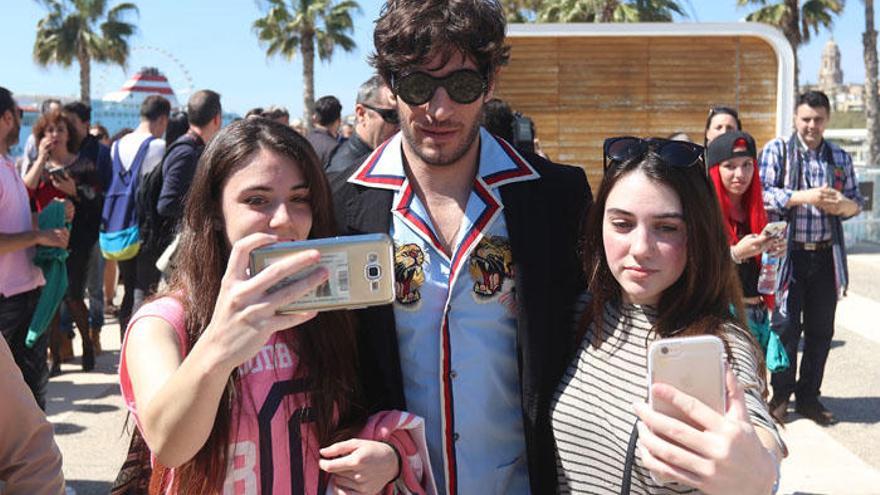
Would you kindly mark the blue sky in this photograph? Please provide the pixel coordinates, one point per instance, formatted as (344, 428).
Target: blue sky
(215, 48)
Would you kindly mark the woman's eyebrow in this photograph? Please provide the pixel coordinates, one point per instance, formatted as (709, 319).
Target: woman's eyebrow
(618, 211)
(671, 214)
(262, 188)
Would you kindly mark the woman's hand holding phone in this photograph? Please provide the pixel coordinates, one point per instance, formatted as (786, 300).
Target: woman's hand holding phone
(63, 182)
(723, 455)
(750, 245)
(777, 243)
(359, 467)
(245, 314)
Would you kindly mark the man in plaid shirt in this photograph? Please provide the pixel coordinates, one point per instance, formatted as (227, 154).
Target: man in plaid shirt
(812, 184)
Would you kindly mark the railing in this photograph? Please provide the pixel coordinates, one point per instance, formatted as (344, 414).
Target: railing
(866, 225)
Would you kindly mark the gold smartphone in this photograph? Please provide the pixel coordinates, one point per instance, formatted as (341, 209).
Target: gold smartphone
(361, 271)
(693, 365)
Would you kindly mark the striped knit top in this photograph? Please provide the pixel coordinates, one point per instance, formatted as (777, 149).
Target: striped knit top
(592, 414)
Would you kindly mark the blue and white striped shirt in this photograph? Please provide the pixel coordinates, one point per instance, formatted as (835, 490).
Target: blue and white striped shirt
(810, 223)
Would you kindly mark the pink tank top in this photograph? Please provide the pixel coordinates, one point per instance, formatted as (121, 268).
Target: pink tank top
(275, 449)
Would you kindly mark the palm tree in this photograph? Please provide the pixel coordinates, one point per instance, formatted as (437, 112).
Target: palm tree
(796, 20)
(521, 10)
(869, 41)
(610, 11)
(86, 31)
(302, 27)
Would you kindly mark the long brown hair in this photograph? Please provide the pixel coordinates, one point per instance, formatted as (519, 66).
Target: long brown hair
(700, 301)
(325, 345)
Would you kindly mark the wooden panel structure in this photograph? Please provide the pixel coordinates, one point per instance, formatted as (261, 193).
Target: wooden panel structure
(580, 90)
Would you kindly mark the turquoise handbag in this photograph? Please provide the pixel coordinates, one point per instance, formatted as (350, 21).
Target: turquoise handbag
(774, 352)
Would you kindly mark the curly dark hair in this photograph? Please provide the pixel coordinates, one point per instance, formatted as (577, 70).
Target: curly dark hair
(409, 32)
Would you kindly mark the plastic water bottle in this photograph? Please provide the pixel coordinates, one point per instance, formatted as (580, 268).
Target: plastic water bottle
(767, 277)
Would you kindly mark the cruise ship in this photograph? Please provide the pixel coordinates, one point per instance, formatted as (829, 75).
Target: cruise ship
(116, 110)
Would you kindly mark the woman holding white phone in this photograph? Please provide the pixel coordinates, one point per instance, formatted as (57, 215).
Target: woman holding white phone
(657, 266)
(230, 396)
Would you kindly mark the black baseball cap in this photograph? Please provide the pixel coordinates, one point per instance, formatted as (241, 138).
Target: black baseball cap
(730, 145)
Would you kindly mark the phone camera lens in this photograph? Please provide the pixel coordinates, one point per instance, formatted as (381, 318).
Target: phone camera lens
(373, 272)
(664, 350)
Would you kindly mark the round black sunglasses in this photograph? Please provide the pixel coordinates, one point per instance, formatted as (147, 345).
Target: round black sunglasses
(463, 86)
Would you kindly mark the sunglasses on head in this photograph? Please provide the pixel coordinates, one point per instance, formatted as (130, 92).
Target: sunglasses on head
(713, 111)
(678, 154)
(389, 115)
(463, 86)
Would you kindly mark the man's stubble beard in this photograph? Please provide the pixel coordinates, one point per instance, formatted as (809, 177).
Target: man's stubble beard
(12, 137)
(441, 159)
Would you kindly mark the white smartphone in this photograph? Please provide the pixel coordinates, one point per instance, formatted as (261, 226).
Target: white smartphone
(693, 365)
(361, 271)
(774, 229)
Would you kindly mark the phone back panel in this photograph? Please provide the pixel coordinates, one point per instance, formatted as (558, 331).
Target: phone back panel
(694, 365)
(361, 271)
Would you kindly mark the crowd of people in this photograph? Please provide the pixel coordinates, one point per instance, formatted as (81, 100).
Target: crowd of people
(514, 357)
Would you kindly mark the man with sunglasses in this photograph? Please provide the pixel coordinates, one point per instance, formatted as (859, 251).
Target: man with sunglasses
(376, 121)
(486, 270)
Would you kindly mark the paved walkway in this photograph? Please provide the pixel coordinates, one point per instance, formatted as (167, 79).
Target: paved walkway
(89, 416)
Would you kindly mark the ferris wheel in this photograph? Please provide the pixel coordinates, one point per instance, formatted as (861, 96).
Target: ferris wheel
(111, 77)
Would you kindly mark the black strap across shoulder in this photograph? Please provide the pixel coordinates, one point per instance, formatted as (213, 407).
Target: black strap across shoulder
(626, 482)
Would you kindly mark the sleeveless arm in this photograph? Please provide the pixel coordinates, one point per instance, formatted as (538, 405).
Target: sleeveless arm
(174, 398)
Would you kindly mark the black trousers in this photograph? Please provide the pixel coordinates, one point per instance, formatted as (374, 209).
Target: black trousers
(128, 277)
(812, 301)
(148, 277)
(16, 313)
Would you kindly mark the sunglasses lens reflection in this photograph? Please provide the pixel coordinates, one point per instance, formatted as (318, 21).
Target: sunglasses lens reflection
(416, 88)
(678, 154)
(623, 149)
(463, 86)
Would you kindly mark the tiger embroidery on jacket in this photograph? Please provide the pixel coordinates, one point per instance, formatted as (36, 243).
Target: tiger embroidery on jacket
(408, 273)
(490, 266)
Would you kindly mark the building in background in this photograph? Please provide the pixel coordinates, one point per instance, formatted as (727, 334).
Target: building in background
(116, 110)
(844, 97)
